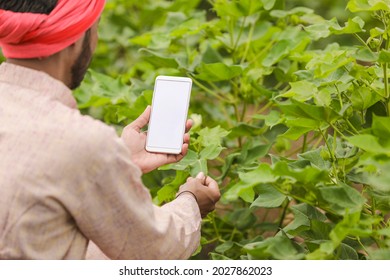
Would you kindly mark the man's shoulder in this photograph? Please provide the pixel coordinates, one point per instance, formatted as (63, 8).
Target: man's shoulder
(79, 138)
(85, 132)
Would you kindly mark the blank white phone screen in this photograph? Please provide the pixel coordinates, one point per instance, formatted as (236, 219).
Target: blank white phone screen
(169, 114)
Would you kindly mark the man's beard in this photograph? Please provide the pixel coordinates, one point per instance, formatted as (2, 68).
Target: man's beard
(82, 62)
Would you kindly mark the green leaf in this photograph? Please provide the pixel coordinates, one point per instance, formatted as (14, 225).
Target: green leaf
(306, 175)
(215, 256)
(268, 197)
(159, 59)
(240, 189)
(251, 7)
(244, 129)
(212, 136)
(268, 4)
(330, 60)
(306, 217)
(367, 5)
(382, 198)
(168, 192)
(379, 181)
(342, 198)
(279, 247)
(300, 223)
(254, 153)
(342, 229)
(272, 119)
(337, 235)
(280, 50)
(380, 254)
(248, 195)
(211, 152)
(211, 55)
(301, 91)
(309, 211)
(244, 188)
(381, 127)
(190, 159)
(354, 25)
(315, 158)
(295, 132)
(384, 56)
(347, 252)
(242, 218)
(236, 9)
(364, 97)
(368, 143)
(303, 110)
(262, 174)
(226, 246)
(365, 54)
(318, 30)
(200, 165)
(218, 72)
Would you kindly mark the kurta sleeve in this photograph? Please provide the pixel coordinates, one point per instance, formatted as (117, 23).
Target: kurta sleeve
(115, 211)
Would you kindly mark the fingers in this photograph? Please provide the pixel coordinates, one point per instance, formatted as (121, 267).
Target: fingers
(213, 186)
(142, 120)
(211, 183)
(186, 138)
(200, 176)
(189, 124)
(184, 151)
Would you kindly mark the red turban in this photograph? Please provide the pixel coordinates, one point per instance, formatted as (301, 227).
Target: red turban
(30, 35)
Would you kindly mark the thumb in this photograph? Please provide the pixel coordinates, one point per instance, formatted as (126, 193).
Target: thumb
(142, 120)
(201, 176)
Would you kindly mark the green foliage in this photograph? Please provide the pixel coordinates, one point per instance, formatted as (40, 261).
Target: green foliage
(291, 116)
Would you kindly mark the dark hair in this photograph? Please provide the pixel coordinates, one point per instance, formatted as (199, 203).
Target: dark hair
(29, 6)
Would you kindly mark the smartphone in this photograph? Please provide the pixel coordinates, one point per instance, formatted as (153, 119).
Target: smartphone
(171, 98)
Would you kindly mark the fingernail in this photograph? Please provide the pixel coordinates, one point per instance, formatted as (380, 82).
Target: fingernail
(200, 175)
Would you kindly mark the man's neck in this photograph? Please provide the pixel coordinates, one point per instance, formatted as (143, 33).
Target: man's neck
(52, 65)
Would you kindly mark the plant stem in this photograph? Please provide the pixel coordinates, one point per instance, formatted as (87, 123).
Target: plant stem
(338, 131)
(243, 112)
(304, 143)
(283, 215)
(216, 95)
(263, 51)
(315, 145)
(249, 40)
(361, 244)
(339, 95)
(386, 81)
(237, 114)
(362, 41)
(265, 107)
(351, 126)
(231, 31)
(233, 234)
(215, 226)
(332, 156)
(239, 35)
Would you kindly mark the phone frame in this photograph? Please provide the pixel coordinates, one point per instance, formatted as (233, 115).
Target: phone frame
(167, 150)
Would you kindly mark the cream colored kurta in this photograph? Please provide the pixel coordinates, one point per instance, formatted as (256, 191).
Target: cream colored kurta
(66, 179)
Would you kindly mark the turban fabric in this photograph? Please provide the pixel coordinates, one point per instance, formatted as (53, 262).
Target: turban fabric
(31, 35)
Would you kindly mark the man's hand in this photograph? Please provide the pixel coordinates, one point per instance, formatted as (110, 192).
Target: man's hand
(136, 140)
(205, 190)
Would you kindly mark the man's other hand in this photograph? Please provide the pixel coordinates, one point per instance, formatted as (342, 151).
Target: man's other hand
(205, 190)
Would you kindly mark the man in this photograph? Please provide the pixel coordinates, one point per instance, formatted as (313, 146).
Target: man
(67, 180)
